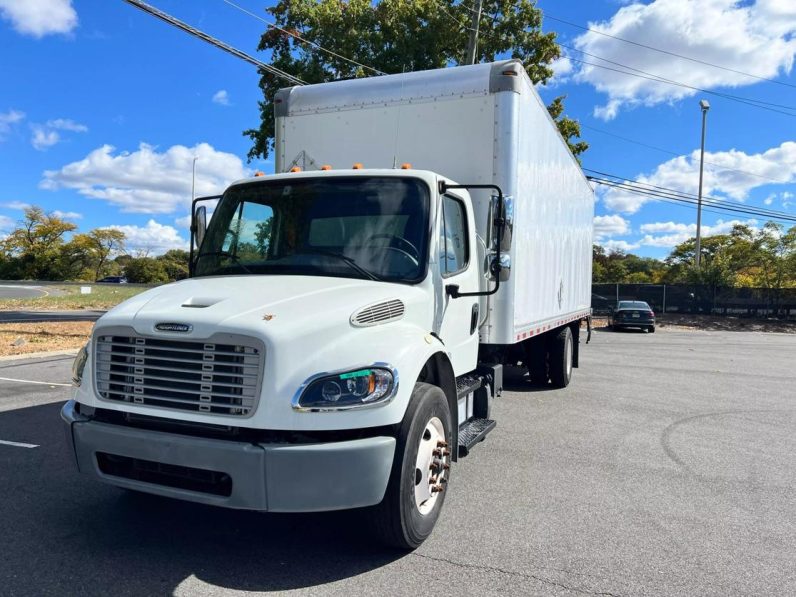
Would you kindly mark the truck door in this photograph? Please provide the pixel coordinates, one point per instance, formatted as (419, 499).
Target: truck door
(457, 264)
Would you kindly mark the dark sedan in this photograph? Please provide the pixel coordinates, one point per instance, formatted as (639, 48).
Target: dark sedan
(632, 314)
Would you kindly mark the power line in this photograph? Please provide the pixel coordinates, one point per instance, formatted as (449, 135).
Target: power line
(661, 196)
(680, 154)
(654, 49)
(151, 10)
(672, 195)
(658, 79)
(302, 39)
(713, 200)
(664, 79)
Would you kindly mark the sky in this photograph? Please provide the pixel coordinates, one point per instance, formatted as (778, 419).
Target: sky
(104, 108)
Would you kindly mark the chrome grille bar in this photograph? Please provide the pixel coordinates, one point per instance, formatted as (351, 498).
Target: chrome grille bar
(201, 376)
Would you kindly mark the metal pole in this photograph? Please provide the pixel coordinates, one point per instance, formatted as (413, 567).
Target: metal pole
(698, 257)
(472, 44)
(193, 180)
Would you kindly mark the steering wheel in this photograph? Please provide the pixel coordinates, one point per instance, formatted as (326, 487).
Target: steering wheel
(409, 249)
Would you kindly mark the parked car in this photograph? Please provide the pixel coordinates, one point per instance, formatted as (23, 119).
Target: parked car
(113, 280)
(632, 314)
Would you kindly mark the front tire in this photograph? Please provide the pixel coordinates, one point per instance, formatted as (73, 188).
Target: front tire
(420, 472)
(561, 352)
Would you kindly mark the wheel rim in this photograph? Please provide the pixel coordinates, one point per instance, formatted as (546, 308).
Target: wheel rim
(569, 356)
(431, 467)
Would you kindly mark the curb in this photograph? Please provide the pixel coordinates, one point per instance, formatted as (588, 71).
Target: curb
(38, 355)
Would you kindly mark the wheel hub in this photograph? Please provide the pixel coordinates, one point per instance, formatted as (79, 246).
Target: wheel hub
(431, 468)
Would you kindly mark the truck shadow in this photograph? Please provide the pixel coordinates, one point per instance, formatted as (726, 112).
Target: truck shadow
(516, 379)
(65, 534)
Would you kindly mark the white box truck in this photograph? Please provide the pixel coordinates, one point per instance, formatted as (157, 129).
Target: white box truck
(343, 331)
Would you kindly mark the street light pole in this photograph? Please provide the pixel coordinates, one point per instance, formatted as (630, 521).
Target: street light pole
(193, 180)
(472, 43)
(705, 106)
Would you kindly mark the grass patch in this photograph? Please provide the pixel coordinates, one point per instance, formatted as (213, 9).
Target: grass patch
(25, 338)
(66, 298)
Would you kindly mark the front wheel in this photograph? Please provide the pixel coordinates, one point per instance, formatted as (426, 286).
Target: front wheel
(420, 471)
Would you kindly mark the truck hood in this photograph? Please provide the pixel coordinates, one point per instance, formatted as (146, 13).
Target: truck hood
(245, 304)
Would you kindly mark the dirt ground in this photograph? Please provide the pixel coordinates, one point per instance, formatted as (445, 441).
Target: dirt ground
(686, 321)
(25, 338)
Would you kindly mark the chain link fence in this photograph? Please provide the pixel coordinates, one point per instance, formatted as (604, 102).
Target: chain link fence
(682, 298)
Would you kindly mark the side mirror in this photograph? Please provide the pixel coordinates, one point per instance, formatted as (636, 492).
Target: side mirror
(200, 224)
(508, 223)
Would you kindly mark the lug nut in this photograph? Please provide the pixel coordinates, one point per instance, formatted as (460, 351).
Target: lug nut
(437, 452)
(442, 444)
(432, 480)
(445, 467)
(437, 488)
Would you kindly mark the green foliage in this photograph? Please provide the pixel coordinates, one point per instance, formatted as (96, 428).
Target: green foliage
(32, 250)
(394, 36)
(759, 258)
(146, 270)
(175, 262)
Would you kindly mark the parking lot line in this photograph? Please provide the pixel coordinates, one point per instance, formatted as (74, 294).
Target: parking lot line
(17, 444)
(40, 383)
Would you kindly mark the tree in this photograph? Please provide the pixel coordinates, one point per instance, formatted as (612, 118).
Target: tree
(394, 36)
(175, 262)
(146, 270)
(36, 243)
(102, 243)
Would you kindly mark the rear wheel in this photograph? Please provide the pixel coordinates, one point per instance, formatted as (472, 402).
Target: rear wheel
(561, 351)
(651, 329)
(420, 471)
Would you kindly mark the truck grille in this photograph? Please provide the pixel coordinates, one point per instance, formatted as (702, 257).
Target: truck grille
(204, 376)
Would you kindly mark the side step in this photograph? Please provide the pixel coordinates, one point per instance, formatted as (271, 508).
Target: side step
(467, 383)
(472, 432)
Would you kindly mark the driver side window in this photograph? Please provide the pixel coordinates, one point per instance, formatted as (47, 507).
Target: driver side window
(453, 243)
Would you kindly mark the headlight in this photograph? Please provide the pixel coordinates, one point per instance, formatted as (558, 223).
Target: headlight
(351, 389)
(79, 364)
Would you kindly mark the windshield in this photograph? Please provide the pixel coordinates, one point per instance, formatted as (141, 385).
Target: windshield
(359, 227)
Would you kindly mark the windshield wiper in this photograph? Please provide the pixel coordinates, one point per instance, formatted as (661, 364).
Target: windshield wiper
(235, 259)
(354, 265)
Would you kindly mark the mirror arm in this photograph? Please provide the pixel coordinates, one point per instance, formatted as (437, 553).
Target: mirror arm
(496, 267)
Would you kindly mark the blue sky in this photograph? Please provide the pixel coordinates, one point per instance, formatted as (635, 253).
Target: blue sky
(103, 109)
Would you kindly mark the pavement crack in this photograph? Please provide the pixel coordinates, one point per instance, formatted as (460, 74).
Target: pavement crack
(525, 575)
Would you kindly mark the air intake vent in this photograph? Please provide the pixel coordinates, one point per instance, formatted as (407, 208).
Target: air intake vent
(378, 313)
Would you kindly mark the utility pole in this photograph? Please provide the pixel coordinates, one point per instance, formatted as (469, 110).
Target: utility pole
(705, 106)
(193, 180)
(472, 44)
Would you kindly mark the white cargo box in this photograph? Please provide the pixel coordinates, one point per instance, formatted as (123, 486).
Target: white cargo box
(481, 124)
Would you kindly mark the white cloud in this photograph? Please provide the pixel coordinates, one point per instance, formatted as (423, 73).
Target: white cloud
(183, 222)
(756, 38)
(67, 215)
(9, 119)
(675, 233)
(562, 69)
(39, 17)
(67, 124)
(43, 138)
(17, 205)
(146, 180)
(612, 246)
(682, 174)
(221, 97)
(613, 225)
(153, 238)
(46, 135)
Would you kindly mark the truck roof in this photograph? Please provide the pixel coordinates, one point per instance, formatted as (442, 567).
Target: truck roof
(351, 94)
(426, 175)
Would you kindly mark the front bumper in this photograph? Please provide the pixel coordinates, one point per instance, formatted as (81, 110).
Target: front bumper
(265, 477)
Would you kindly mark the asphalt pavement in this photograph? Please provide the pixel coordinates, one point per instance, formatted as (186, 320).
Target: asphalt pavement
(666, 468)
(9, 291)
